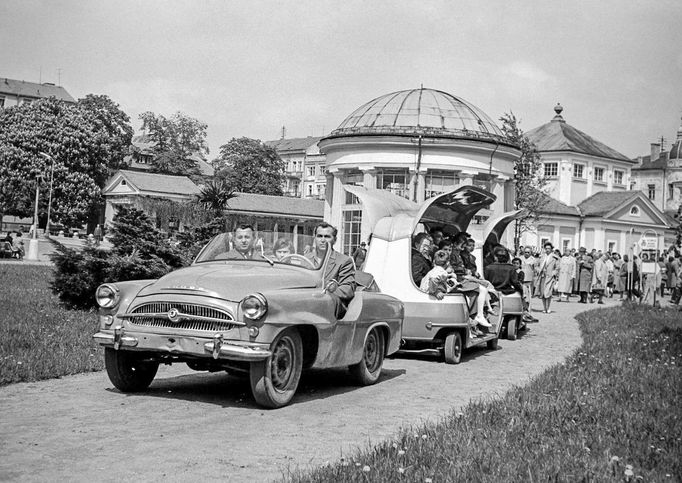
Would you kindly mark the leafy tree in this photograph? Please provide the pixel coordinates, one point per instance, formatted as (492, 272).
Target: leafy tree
(78, 142)
(529, 177)
(250, 166)
(177, 140)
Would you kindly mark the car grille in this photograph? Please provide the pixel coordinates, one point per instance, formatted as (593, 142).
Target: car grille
(187, 316)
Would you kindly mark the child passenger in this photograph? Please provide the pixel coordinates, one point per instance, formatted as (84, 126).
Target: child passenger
(435, 282)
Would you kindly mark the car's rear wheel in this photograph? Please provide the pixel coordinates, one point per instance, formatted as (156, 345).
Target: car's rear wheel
(275, 380)
(511, 328)
(128, 371)
(368, 370)
(453, 348)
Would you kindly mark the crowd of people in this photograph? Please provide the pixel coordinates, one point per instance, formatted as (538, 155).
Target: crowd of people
(442, 265)
(592, 276)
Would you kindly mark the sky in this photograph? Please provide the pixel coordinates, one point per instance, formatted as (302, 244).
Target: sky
(247, 68)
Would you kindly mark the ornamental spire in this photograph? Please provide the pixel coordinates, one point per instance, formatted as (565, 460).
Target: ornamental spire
(558, 109)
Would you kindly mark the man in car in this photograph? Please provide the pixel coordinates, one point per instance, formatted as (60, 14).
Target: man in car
(421, 250)
(243, 244)
(339, 267)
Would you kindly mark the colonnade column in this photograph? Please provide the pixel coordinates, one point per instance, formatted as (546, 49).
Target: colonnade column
(369, 181)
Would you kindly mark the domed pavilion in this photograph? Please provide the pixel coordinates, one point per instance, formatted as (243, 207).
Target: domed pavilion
(415, 143)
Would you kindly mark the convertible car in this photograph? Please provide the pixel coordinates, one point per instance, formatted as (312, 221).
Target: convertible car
(430, 323)
(270, 317)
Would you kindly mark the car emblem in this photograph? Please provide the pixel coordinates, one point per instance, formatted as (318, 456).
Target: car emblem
(174, 315)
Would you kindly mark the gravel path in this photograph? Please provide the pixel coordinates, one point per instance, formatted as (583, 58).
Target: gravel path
(194, 425)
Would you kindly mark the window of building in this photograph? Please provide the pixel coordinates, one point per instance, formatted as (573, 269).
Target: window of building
(354, 178)
(310, 171)
(323, 171)
(352, 220)
(611, 246)
(565, 243)
(618, 177)
(578, 170)
(634, 211)
(394, 180)
(671, 191)
(551, 170)
(544, 240)
(438, 182)
(309, 190)
(651, 188)
(2, 102)
(599, 174)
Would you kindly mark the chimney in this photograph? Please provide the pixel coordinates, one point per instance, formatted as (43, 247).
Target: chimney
(655, 151)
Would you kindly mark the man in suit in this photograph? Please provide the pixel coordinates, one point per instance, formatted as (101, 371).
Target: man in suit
(339, 267)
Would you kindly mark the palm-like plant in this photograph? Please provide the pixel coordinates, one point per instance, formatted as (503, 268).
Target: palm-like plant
(215, 195)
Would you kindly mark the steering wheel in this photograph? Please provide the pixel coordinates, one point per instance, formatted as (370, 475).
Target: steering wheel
(295, 256)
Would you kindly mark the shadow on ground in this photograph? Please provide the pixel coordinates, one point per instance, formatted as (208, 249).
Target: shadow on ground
(229, 390)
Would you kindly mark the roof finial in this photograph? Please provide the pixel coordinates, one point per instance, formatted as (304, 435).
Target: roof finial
(558, 109)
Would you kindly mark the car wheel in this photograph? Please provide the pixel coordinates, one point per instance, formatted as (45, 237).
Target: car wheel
(274, 381)
(368, 370)
(492, 344)
(453, 348)
(127, 371)
(511, 328)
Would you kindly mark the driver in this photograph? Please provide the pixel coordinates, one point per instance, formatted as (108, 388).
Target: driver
(339, 267)
(243, 244)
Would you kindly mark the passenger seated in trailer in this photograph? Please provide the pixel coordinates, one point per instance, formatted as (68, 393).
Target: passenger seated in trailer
(502, 274)
(438, 281)
(421, 253)
(282, 248)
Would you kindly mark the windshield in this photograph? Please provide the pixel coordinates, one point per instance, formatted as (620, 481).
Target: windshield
(263, 247)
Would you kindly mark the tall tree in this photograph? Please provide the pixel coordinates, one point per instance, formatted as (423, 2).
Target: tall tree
(528, 175)
(250, 166)
(177, 141)
(81, 152)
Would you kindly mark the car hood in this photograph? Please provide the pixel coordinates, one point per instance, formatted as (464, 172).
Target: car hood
(233, 280)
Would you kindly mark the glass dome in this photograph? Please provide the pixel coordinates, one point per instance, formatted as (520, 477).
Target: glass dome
(420, 111)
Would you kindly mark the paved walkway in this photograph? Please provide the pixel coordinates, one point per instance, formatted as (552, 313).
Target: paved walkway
(191, 426)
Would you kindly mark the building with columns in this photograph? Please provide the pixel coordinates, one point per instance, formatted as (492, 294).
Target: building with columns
(416, 144)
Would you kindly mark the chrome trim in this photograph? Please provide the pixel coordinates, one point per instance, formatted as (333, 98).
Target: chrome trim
(177, 315)
(237, 352)
(109, 340)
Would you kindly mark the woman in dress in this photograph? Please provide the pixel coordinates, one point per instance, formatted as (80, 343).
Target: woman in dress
(618, 284)
(566, 276)
(549, 271)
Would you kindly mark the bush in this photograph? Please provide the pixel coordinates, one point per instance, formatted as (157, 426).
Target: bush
(140, 252)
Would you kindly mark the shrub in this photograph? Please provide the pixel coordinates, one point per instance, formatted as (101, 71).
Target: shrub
(140, 252)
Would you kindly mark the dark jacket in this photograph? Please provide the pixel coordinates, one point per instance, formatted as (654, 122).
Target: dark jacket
(420, 266)
(503, 277)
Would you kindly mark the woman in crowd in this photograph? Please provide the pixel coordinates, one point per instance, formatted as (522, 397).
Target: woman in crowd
(566, 276)
(618, 285)
(585, 267)
(600, 275)
(549, 272)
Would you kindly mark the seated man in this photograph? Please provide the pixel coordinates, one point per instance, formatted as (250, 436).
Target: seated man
(339, 267)
(421, 250)
(502, 274)
(243, 241)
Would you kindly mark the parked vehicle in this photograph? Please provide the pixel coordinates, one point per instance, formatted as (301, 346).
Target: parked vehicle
(430, 323)
(265, 317)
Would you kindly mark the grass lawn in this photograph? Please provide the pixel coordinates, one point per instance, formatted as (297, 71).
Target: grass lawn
(611, 412)
(38, 338)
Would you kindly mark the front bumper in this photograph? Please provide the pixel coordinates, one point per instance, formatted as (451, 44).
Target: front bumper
(183, 345)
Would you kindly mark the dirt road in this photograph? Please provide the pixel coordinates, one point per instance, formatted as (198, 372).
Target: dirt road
(192, 425)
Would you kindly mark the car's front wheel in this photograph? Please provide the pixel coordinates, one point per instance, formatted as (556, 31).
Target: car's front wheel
(128, 371)
(275, 380)
(368, 370)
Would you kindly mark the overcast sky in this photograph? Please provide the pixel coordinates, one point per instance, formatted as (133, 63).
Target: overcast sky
(246, 68)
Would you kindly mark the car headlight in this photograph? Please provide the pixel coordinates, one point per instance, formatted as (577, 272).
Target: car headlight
(107, 296)
(254, 306)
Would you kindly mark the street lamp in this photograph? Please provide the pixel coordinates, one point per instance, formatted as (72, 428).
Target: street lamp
(49, 201)
(33, 242)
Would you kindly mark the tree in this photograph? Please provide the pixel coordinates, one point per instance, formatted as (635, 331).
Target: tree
(215, 195)
(82, 145)
(250, 166)
(177, 141)
(528, 175)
